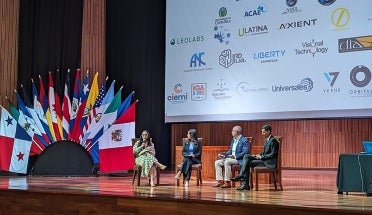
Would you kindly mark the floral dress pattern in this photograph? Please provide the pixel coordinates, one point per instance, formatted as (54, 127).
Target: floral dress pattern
(144, 157)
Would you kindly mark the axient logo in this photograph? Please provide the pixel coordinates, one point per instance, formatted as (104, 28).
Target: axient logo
(360, 76)
(199, 91)
(353, 44)
(298, 24)
(178, 96)
(262, 29)
(291, 7)
(331, 79)
(269, 56)
(185, 40)
(227, 58)
(243, 88)
(326, 2)
(196, 59)
(305, 85)
(312, 47)
(340, 18)
(261, 9)
(222, 92)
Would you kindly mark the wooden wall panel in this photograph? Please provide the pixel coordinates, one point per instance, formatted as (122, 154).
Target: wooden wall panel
(306, 143)
(9, 19)
(93, 49)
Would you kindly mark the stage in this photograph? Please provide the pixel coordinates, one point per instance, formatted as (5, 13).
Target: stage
(305, 192)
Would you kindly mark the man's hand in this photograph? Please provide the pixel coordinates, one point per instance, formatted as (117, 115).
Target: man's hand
(231, 156)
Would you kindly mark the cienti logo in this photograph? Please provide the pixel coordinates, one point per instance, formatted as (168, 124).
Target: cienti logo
(177, 96)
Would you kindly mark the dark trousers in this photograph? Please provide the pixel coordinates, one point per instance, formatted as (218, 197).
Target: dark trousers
(248, 162)
(186, 167)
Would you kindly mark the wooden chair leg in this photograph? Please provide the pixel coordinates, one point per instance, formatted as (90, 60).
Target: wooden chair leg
(256, 180)
(200, 177)
(157, 176)
(139, 170)
(134, 176)
(233, 176)
(251, 180)
(274, 177)
(197, 177)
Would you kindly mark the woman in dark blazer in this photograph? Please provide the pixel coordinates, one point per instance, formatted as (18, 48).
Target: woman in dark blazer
(191, 152)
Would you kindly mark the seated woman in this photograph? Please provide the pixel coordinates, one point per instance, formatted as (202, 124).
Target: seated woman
(191, 152)
(144, 153)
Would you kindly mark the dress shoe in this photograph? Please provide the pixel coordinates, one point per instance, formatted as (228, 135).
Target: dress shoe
(219, 184)
(243, 187)
(226, 185)
(237, 178)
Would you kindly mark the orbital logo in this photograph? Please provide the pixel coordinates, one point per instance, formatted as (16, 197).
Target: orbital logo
(360, 76)
(340, 18)
(227, 58)
(312, 47)
(198, 91)
(353, 44)
(177, 96)
(305, 85)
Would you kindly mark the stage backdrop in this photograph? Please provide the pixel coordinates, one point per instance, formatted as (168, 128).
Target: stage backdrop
(260, 59)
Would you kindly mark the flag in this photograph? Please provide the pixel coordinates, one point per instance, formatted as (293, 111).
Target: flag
(97, 105)
(115, 145)
(26, 99)
(13, 110)
(55, 109)
(75, 102)
(45, 104)
(66, 107)
(15, 144)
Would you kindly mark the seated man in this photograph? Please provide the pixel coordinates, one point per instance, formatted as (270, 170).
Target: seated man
(267, 158)
(238, 148)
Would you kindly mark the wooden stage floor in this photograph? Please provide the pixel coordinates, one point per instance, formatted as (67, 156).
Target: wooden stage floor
(305, 192)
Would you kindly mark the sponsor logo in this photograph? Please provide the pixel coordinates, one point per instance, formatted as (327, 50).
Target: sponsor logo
(222, 92)
(298, 24)
(291, 7)
(227, 58)
(331, 78)
(116, 135)
(340, 17)
(305, 85)
(262, 29)
(198, 91)
(186, 40)
(221, 32)
(197, 63)
(353, 44)
(261, 9)
(177, 96)
(243, 88)
(326, 2)
(269, 56)
(312, 47)
(360, 76)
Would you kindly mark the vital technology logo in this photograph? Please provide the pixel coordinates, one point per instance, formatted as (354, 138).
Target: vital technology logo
(222, 92)
(305, 85)
(227, 58)
(312, 47)
(354, 44)
(198, 91)
(177, 96)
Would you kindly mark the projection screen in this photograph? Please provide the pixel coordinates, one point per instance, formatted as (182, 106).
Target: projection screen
(264, 59)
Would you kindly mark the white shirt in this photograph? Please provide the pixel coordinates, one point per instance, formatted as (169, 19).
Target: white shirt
(236, 140)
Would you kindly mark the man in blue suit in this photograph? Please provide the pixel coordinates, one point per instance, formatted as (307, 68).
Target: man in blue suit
(238, 148)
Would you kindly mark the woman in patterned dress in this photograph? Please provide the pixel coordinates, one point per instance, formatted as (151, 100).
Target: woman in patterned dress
(144, 152)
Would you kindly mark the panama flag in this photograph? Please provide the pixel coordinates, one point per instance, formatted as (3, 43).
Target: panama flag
(115, 145)
(15, 144)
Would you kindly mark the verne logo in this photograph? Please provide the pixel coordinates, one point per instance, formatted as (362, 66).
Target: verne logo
(227, 58)
(331, 77)
(340, 17)
(353, 44)
(199, 91)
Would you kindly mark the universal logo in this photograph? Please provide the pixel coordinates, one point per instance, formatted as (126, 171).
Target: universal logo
(340, 17)
(227, 58)
(360, 76)
(198, 91)
(331, 78)
(312, 47)
(177, 96)
(291, 7)
(305, 85)
(353, 44)
(186, 40)
(222, 92)
(243, 88)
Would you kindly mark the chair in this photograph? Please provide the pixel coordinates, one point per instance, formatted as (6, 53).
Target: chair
(236, 167)
(194, 167)
(276, 172)
(137, 169)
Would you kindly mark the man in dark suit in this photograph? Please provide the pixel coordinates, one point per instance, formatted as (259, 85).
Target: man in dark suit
(238, 148)
(267, 158)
